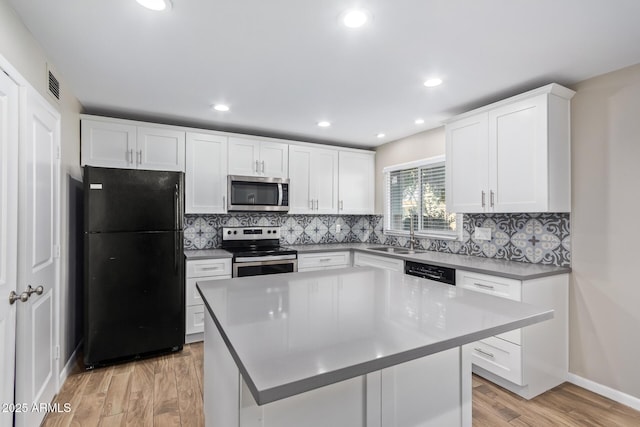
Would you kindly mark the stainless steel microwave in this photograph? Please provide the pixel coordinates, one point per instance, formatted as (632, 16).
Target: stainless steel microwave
(257, 193)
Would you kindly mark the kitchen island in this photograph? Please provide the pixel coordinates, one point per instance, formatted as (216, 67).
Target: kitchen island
(358, 346)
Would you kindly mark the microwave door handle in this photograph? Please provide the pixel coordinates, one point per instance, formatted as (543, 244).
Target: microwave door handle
(279, 194)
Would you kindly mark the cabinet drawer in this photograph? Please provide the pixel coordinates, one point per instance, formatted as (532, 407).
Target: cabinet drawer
(192, 296)
(493, 285)
(195, 319)
(209, 267)
(500, 357)
(324, 260)
(388, 263)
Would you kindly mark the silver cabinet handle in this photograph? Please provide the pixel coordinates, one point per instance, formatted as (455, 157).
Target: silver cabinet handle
(491, 197)
(257, 166)
(263, 166)
(13, 297)
(483, 199)
(480, 285)
(131, 155)
(325, 259)
(317, 204)
(341, 205)
(139, 153)
(311, 203)
(486, 353)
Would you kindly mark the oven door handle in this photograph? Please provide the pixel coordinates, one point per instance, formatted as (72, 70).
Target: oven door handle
(254, 259)
(238, 265)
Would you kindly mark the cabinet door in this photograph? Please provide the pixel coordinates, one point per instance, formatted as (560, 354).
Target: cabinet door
(363, 259)
(356, 183)
(206, 174)
(324, 180)
(274, 159)
(110, 145)
(160, 149)
(244, 156)
(467, 165)
(300, 201)
(518, 156)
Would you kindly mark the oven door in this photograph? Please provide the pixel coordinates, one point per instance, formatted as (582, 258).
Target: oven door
(246, 193)
(260, 268)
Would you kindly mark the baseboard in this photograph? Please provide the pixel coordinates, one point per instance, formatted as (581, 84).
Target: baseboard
(605, 391)
(68, 367)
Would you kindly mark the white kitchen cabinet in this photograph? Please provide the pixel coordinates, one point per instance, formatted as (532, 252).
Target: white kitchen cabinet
(511, 156)
(314, 180)
(323, 260)
(124, 144)
(206, 174)
(361, 259)
(200, 270)
(356, 183)
(531, 360)
(253, 157)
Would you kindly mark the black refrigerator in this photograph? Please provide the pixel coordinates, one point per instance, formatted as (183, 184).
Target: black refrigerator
(134, 264)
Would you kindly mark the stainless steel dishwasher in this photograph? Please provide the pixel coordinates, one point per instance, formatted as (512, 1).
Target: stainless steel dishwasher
(432, 272)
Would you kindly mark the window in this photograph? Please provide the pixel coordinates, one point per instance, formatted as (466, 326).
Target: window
(416, 192)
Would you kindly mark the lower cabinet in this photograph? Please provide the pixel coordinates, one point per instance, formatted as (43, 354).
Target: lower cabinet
(324, 260)
(361, 259)
(531, 360)
(199, 270)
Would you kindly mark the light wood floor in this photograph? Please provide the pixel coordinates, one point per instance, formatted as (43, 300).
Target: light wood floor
(167, 391)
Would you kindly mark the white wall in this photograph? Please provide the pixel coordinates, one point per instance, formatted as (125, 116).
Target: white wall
(18, 46)
(419, 146)
(605, 288)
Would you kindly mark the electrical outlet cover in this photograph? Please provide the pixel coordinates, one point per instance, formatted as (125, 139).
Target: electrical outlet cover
(482, 233)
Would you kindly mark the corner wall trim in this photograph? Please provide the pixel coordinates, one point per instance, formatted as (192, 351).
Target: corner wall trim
(603, 390)
(68, 367)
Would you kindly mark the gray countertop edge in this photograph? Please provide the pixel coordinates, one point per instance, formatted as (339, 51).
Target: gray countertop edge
(494, 267)
(284, 391)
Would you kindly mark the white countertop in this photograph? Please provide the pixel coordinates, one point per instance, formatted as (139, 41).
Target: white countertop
(294, 332)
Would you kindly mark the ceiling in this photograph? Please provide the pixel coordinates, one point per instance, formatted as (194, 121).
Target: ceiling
(284, 65)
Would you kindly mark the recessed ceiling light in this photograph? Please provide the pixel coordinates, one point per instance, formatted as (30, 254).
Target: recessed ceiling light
(419, 121)
(433, 82)
(324, 124)
(355, 18)
(381, 135)
(155, 4)
(221, 107)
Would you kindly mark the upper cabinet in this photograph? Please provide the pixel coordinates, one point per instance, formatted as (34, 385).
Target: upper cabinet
(206, 174)
(511, 156)
(356, 183)
(253, 157)
(123, 144)
(313, 173)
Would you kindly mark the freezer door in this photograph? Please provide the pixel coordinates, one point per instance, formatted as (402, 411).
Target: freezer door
(134, 294)
(132, 200)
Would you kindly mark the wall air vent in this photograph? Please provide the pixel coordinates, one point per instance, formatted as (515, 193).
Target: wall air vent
(53, 84)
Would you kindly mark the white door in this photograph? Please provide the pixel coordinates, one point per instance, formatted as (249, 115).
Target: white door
(518, 156)
(356, 181)
(324, 178)
(8, 239)
(38, 255)
(109, 145)
(206, 174)
(300, 199)
(467, 170)
(274, 159)
(160, 149)
(244, 157)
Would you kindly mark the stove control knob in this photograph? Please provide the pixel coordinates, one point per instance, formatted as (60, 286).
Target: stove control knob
(229, 232)
(268, 231)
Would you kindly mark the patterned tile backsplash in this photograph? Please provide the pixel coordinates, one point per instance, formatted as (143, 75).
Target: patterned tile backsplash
(534, 238)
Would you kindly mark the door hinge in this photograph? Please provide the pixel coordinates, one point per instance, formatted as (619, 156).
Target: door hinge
(56, 251)
(57, 352)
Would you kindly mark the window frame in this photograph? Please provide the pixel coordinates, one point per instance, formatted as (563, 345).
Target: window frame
(441, 235)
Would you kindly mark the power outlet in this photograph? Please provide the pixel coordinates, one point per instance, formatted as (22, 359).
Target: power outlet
(338, 228)
(482, 233)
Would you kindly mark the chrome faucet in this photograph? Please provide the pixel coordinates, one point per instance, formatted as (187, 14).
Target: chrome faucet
(412, 236)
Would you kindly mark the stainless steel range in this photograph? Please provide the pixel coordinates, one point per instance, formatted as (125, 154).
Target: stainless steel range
(257, 251)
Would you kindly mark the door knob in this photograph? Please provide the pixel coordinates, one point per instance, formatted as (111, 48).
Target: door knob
(38, 290)
(13, 297)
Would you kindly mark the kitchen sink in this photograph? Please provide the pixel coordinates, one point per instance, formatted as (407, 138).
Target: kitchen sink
(399, 251)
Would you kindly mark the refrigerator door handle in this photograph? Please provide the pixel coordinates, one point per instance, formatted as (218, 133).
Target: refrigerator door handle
(177, 205)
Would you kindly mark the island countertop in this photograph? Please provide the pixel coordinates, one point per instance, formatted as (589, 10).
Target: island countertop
(295, 332)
